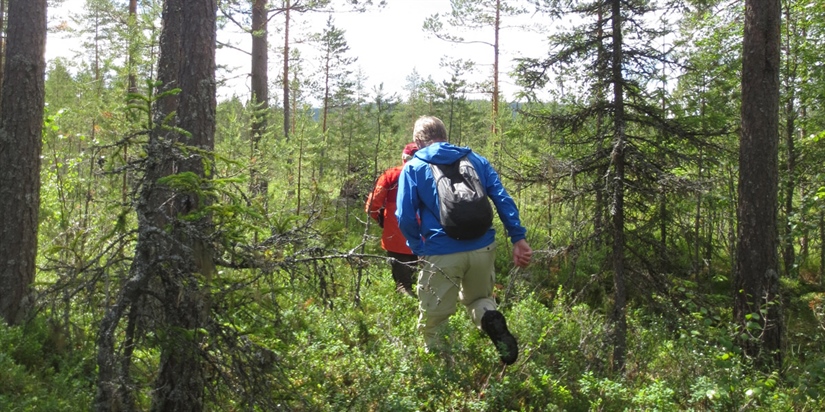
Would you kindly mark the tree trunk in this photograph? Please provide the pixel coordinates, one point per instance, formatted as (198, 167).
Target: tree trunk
(181, 381)
(788, 251)
(299, 178)
(132, 85)
(133, 32)
(326, 99)
(708, 243)
(600, 201)
(697, 218)
(618, 318)
(260, 92)
(497, 29)
(2, 41)
(154, 212)
(170, 59)
(661, 199)
(21, 125)
(804, 237)
(757, 306)
(821, 247)
(178, 277)
(286, 71)
(325, 109)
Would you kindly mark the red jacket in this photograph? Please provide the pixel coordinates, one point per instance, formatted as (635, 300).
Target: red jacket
(383, 196)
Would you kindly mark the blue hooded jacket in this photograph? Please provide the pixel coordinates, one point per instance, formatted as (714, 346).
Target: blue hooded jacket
(418, 199)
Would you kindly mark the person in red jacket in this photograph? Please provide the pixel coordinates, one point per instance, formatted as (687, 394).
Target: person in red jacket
(381, 207)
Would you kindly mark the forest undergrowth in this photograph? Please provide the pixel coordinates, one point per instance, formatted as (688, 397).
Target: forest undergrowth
(228, 234)
(335, 355)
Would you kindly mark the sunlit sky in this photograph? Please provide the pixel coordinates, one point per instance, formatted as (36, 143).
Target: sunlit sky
(389, 44)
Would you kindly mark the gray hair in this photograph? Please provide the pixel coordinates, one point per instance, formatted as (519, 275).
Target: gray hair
(429, 130)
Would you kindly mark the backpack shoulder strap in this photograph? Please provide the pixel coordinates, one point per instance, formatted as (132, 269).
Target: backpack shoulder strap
(451, 170)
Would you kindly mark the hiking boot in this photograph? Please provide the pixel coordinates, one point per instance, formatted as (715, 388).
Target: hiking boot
(402, 275)
(495, 326)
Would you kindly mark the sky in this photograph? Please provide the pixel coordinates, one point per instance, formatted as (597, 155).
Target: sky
(389, 44)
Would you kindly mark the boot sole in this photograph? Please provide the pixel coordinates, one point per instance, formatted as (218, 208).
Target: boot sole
(494, 324)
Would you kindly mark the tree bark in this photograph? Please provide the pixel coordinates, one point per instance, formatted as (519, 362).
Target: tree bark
(618, 317)
(788, 250)
(260, 91)
(154, 213)
(132, 52)
(287, 114)
(2, 41)
(169, 60)
(497, 29)
(757, 306)
(21, 125)
(181, 381)
(821, 247)
(173, 258)
(600, 201)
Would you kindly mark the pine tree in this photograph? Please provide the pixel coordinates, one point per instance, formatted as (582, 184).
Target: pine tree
(757, 307)
(22, 99)
(624, 143)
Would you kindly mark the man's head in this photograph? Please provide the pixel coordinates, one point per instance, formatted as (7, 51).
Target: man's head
(429, 130)
(409, 151)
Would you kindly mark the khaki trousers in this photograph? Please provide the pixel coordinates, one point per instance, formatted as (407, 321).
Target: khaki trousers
(446, 279)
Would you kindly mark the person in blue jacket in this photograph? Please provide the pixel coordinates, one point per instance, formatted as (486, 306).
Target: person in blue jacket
(455, 270)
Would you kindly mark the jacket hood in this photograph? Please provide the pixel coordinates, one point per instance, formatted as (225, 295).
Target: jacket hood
(442, 153)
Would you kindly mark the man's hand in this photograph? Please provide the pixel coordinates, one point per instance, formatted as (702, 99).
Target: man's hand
(522, 253)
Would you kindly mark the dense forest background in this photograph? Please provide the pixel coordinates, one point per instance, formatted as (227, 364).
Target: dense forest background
(164, 250)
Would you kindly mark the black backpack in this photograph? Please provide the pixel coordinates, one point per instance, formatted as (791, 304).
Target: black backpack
(464, 211)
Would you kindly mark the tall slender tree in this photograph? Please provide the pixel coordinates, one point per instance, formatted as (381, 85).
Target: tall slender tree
(133, 28)
(181, 381)
(177, 167)
(2, 38)
(793, 29)
(304, 6)
(708, 92)
(455, 90)
(610, 110)
(757, 307)
(114, 384)
(334, 70)
(475, 15)
(260, 91)
(21, 122)
(618, 319)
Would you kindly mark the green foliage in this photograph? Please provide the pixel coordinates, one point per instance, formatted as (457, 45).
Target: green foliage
(337, 356)
(44, 369)
(306, 316)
